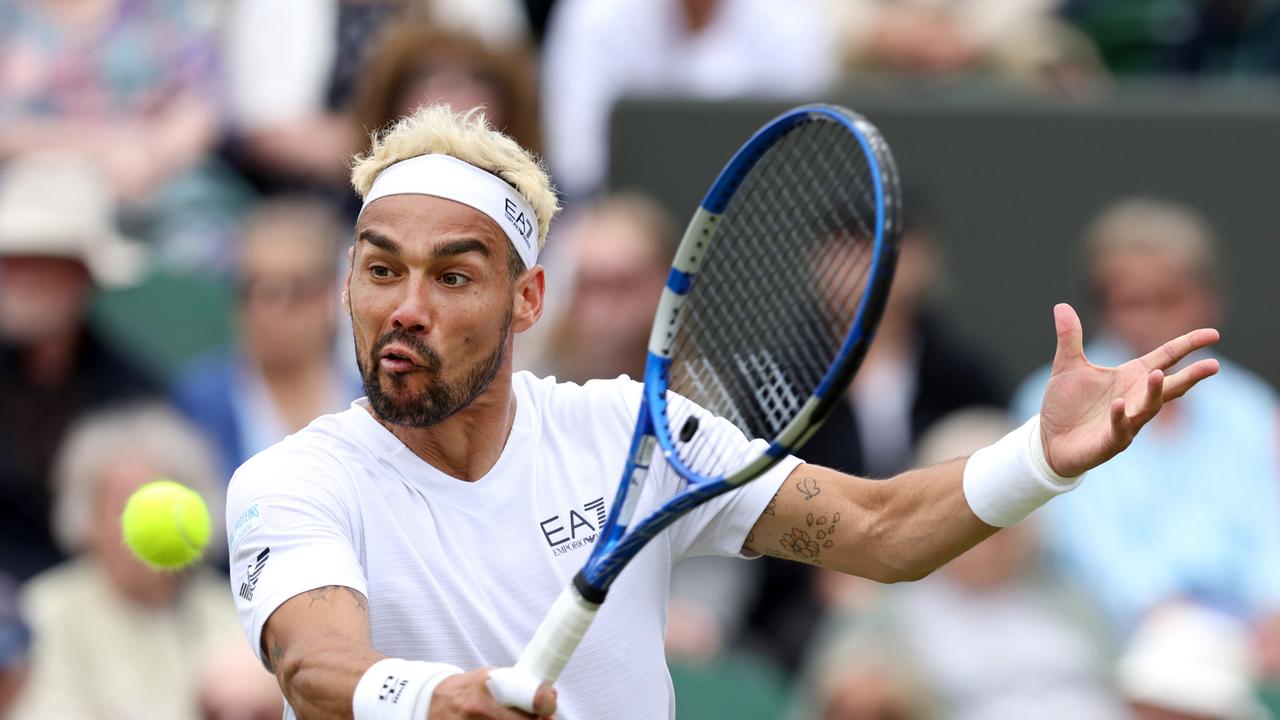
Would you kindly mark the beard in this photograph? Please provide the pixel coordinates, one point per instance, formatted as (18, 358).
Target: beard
(440, 398)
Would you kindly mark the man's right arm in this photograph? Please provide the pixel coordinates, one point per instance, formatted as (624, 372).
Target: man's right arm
(318, 646)
(319, 649)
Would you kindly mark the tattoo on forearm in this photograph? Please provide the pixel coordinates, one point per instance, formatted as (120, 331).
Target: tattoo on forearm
(808, 486)
(808, 543)
(323, 593)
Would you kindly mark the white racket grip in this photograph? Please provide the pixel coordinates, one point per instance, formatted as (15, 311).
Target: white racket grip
(547, 653)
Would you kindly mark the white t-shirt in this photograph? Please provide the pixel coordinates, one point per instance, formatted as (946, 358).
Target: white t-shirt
(463, 572)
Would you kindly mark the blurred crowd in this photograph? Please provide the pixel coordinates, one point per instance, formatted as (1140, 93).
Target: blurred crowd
(210, 140)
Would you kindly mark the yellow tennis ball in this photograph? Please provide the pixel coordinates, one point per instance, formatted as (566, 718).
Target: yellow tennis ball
(166, 525)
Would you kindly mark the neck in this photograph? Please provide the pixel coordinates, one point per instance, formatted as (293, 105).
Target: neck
(467, 444)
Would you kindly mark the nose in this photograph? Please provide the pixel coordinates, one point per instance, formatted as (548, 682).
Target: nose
(413, 311)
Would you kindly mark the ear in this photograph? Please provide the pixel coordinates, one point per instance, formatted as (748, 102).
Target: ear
(346, 284)
(530, 288)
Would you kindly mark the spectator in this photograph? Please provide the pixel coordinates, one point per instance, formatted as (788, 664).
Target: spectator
(598, 51)
(291, 93)
(415, 64)
(58, 241)
(987, 637)
(131, 84)
(1182, 37)
(916, 372)
(285, 369)
(114, 638)
(15, 646)
(1018, 38)
(1189, 662)
(1192, 509)
(617, 253)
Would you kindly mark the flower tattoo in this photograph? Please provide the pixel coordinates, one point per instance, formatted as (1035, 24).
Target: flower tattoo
(797, 543)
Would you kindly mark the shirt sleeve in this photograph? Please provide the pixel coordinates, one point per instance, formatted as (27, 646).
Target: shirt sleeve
(720, 525)
(289, 530)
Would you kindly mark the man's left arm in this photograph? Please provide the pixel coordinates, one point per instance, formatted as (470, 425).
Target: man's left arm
(905, 527)
(889, 531)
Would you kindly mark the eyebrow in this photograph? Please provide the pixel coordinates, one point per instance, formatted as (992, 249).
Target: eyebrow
(461, 247)
(379, 241)
(455, 247)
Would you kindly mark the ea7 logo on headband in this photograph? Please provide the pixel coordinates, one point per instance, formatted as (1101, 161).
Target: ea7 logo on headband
(517, 218)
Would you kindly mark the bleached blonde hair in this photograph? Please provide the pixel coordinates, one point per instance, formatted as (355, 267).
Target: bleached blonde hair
(468, 137)
(151, 431)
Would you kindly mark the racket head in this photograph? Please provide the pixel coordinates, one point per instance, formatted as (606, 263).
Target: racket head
(769, 308)
(837, 224)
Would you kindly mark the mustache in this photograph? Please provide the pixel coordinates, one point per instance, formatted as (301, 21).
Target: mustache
(430, 359)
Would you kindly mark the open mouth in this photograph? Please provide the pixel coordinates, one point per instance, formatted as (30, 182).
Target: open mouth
(398, 361)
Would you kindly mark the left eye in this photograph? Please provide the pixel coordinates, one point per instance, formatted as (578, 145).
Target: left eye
(453, 279)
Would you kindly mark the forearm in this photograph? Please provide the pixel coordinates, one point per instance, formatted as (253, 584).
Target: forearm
(313, 656)
(321, 686)
(886, 530)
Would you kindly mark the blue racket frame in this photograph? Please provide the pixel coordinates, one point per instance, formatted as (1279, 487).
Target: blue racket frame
(615, 545)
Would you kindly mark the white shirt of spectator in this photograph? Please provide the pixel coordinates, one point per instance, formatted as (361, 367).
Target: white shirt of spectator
(463, 572)
(600, 51)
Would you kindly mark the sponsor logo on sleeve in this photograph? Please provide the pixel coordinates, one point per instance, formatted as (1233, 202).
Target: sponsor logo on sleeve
(254, 571)
(248, 521)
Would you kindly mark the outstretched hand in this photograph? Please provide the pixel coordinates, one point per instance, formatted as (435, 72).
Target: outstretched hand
(1090, 413)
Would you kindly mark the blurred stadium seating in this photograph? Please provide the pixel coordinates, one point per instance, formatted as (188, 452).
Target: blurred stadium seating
(1023, 117)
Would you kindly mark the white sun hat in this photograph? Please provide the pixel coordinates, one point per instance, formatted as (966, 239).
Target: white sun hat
(1191, 659)
(55, 204)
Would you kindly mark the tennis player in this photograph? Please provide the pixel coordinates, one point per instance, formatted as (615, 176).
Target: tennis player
(384, 557)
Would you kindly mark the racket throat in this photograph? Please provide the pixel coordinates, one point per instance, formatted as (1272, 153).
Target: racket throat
(587, 591)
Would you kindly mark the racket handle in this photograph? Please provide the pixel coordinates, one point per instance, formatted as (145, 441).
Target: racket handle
(547, 653)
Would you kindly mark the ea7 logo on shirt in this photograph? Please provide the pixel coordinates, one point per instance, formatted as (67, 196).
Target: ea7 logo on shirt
(255, 570)
(574, 529)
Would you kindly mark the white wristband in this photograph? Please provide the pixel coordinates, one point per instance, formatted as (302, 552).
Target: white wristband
(1004, 482)
(395, 689)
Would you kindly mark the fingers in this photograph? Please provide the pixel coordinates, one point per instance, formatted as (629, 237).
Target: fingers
(1177, 384)
(1151, 401)
(1119, 420)
(1172, 352)
(544, 702)
(1070, 350)
(1126, 421)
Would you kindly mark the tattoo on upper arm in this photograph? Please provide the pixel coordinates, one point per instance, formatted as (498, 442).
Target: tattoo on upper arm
(808, 486)
(322, 594)
(277, 654)
(807, 543)
(769, 509)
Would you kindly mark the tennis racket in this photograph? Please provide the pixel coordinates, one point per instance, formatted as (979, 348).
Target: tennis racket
(769, 308)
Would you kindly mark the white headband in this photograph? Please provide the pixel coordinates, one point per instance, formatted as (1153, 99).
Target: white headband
(450, 178)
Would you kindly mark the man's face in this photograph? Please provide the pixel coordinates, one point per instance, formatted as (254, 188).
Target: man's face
(41, 297)
(1148, 297)
(431, 302)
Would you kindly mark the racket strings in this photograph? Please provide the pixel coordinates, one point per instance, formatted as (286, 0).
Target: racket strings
(778, 291)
